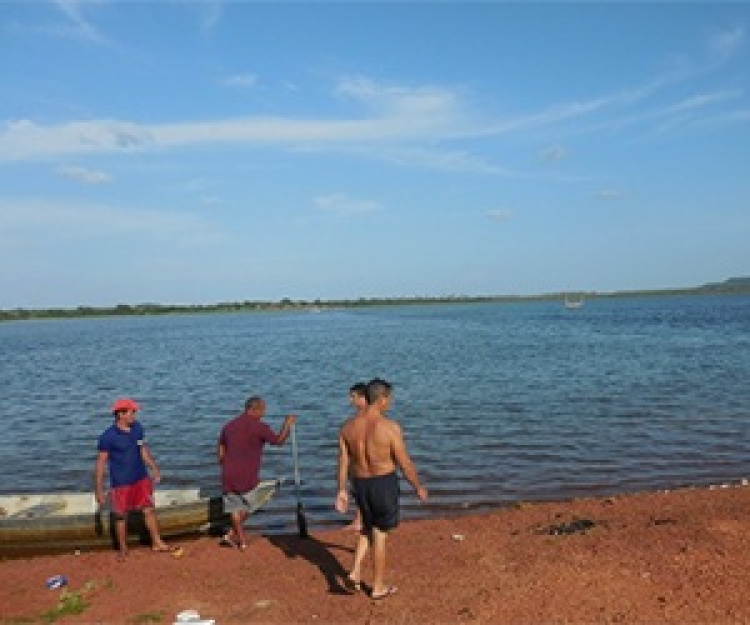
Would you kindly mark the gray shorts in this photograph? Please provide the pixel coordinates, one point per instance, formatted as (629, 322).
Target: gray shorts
(239, 502)
(252, 500)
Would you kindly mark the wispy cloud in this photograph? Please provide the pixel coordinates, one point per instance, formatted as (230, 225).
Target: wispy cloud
(342, 204)
(77, 27)
(84, 175)
(407, 124)
(699, 101)
(446, 160)
(396, 115)
(25, 139)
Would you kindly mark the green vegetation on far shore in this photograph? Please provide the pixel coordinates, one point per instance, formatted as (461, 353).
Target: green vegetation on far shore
(730, 286)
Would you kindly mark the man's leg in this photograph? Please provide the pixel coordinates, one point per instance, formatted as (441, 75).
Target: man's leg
(378, 562)
(152, 525)
(363, 543)
(121, 533)
(238, 527)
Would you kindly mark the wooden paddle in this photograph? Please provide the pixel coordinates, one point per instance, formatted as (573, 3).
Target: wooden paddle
(301, 520)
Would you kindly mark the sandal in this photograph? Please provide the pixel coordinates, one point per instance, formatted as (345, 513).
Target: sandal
(351, 585)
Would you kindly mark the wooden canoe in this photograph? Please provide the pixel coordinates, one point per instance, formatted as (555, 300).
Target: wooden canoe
(34, 524)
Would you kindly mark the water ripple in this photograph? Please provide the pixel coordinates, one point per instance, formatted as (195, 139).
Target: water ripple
(499, 403)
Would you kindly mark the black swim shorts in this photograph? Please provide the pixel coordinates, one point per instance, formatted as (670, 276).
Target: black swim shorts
(377, 498)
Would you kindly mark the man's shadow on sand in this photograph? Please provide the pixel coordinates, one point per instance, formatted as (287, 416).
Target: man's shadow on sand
(319, 554)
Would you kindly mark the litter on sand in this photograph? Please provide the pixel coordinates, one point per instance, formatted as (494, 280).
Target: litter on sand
(193, 618)
(56, 581)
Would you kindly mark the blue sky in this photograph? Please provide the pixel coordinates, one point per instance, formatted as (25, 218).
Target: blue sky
(214, 151)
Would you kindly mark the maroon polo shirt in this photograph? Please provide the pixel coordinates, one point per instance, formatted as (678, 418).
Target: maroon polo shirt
(243, 438)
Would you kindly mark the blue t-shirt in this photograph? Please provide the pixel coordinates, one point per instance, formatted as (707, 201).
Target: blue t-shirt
(126, 465)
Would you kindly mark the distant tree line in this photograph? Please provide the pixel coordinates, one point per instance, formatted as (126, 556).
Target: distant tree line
(730, 286)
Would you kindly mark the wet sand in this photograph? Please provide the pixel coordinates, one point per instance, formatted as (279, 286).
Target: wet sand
(681, 556)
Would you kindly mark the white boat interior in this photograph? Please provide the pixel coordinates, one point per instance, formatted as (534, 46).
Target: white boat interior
(36, 505)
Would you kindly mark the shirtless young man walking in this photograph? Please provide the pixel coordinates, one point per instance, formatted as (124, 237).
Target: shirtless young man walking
(371, 449)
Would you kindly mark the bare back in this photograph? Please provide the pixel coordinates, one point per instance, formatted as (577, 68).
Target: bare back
(372, 444)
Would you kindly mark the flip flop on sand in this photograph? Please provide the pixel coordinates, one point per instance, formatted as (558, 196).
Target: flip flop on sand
(225, 541)
(175, 551)
(390, 590)
(352, 585)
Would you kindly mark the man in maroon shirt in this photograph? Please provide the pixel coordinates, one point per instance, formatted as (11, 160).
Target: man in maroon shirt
(240, 451)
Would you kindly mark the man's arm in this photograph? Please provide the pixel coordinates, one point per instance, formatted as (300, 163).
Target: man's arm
(342, 497)
(220, 452)
(150, 463)
(403, 461)
(286, 429)
(101, 462)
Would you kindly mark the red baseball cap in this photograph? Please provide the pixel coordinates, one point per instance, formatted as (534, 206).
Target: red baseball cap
(124, 403)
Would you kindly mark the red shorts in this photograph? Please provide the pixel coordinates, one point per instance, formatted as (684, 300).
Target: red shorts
(132, 497)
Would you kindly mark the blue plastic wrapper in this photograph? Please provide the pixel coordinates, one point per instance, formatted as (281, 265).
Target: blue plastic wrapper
(57, 581)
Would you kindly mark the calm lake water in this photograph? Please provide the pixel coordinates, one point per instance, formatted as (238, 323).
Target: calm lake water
(499, 402)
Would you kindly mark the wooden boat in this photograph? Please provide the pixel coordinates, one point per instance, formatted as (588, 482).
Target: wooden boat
(33, 524)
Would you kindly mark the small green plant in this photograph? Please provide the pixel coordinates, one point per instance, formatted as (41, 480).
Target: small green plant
(69, 603)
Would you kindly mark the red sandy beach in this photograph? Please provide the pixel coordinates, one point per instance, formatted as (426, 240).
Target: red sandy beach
(681, 556)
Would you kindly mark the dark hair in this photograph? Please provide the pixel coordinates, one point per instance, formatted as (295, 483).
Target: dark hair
(253, 402)
(377, 388)
(360, 388)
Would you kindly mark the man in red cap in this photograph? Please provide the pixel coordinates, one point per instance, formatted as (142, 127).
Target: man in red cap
(123, 450)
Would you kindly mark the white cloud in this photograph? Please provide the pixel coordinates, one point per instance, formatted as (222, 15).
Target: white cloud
(342, 204)
(410, 101)
(386, 117)
(25, 139)
(84, 175)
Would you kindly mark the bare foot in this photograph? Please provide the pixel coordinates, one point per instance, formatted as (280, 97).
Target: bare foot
(386, 592)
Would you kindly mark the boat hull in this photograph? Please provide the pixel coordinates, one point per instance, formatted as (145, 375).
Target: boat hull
(44, 527)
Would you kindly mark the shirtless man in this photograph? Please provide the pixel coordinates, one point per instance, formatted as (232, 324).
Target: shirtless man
(371, 449)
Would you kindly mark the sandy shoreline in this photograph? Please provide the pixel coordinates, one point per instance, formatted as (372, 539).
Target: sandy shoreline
(661, 557)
